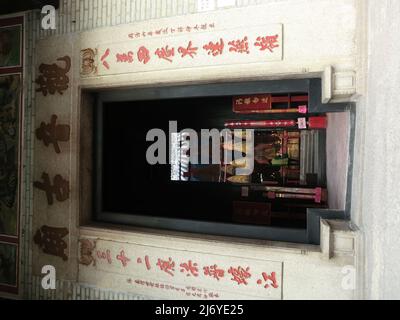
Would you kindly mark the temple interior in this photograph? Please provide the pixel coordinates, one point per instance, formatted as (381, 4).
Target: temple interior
(292, 169)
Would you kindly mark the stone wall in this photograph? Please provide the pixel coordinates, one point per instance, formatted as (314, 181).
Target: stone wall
(377, 172)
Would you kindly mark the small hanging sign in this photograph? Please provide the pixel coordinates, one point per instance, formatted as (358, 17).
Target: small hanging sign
(252, 104)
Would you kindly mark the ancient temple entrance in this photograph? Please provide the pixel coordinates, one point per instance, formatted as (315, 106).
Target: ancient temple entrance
(288, 173)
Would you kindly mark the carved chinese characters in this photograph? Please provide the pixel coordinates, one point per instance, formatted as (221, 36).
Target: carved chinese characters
(215, 48)
(53, 77)
(188, 51)
(59, 188)
(189, 268)
(239, 46)
(214, 272)
(143, 55)
(260, 103)
(172, 30)
(189, 274)
(52, 227)
(229, 46)
(168, 53)
(103, 59)
(50, 240)
(165, 53)
(86, 251)
(168, 266)
(179, 290)
(88, 57)
(241, 275)
(268, 280)
(52, 133)
(267, 43)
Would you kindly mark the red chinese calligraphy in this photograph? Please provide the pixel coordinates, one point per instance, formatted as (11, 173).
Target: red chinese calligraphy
(104, 255)
(190, 268)
(239, 46)
(239, 274)
(143, 55)
(147, 262)
(103, 59)
(123, 258)
(269, 279)
(125, 57)
(214, 49)
(165, 53)
(267, 43)
(167, 266)
(214, 272)
(188, 51)
(166, 30)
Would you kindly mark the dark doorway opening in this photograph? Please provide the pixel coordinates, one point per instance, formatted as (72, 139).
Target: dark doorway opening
(273, 202)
